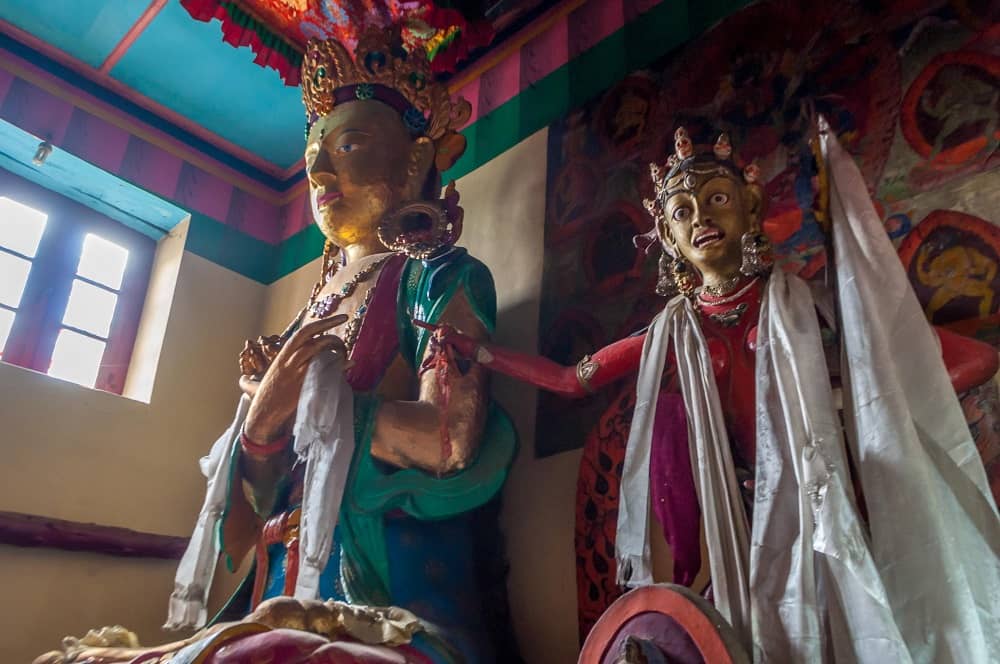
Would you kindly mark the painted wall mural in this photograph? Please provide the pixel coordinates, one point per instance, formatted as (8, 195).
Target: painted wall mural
(913, 90)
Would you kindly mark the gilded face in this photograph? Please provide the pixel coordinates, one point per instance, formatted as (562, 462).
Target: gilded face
(707, 226)
(362, 163)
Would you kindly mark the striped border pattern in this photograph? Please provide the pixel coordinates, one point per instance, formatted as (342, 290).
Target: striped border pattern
(264, 233)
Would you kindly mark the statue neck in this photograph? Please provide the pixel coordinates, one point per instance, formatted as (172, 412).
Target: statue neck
(722, 283)
(367, 247)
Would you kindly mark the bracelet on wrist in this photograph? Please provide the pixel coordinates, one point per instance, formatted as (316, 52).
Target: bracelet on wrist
(266, 449)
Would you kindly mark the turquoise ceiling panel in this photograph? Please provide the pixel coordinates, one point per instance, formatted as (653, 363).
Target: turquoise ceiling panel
(85, 183)
(184, 65)
(86, 29)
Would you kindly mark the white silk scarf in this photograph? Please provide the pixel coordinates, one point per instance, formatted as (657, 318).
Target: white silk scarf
(923, 584)
(324, 440)
(725, 521)
(935, 535)
(197, 567)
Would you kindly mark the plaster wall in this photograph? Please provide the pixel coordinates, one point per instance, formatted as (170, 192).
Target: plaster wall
(89, 456)
(504, 203)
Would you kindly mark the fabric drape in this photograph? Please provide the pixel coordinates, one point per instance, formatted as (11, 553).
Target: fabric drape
(197, 567)
(324, 439)
(726, 528)
(935, 536)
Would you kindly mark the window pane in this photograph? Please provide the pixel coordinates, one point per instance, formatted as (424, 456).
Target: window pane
(20, 227)
(102, 261)
(90, 308)
(76, 358)
(6, 321)
(13, 276)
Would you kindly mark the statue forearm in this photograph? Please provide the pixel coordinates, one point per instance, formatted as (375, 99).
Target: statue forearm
(263, 478)
(970, 362)
(604, 367)
(439, 431)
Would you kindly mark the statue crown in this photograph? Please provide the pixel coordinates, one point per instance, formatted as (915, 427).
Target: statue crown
(684, 169)
(382, 69)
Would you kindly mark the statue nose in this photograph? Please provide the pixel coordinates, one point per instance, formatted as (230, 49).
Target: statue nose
(320, 169)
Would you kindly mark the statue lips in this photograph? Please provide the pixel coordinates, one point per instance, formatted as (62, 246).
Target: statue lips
(706, 237)
(327, 198)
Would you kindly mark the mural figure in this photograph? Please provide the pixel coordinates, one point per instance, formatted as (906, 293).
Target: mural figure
(959, 101)
(355, 465)
(957, 272)
(952, 260)
(735, 423)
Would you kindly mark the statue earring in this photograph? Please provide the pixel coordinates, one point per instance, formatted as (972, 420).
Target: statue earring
(665, 284)
(683, 276)
(417, 229)
(758, 257)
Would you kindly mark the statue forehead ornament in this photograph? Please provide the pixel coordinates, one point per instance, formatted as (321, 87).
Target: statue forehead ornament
(685, 171)
(383, 69)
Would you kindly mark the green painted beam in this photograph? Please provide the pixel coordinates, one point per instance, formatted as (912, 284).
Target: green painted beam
(228, 247)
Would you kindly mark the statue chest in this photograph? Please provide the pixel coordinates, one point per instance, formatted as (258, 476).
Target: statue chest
(731, 334)
(367, 293)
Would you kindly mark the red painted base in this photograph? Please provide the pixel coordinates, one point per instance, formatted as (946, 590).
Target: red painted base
(680, 624)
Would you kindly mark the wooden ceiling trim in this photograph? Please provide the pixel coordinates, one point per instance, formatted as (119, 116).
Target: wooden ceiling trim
(133, 33)
(104, 80)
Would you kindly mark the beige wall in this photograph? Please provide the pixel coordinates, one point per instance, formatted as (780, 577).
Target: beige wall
(79, 454)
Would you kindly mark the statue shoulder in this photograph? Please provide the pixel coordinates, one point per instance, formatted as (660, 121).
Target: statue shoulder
(427, 287)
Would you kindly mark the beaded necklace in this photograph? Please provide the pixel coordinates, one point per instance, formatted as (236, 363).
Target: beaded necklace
(327, 306)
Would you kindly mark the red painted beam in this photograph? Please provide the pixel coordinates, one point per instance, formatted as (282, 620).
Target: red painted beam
(29, 530)
(133, 33)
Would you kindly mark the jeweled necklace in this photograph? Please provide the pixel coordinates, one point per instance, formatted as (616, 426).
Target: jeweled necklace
(328, 305)
(731, 317)
(722, 290)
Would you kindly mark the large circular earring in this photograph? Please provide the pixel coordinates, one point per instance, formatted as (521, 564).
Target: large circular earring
(418, 229)
(758, 255)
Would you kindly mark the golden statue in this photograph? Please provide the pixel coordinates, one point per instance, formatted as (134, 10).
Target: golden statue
(359, 454)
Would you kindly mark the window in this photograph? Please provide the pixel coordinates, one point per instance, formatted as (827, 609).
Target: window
(72, 285)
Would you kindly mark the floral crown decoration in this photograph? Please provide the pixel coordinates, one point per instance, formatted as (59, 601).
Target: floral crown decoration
(383, 69)
(685, 170)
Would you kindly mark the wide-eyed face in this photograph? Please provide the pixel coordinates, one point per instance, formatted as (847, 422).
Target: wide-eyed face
(706, 226)
(361, 163)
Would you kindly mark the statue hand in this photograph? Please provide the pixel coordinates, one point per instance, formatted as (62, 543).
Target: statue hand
(249, 385)
(448, 338)
(276, 397)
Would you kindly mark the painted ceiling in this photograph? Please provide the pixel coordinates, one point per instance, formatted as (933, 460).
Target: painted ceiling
(157, 55)
(180, 65)
(195, 102)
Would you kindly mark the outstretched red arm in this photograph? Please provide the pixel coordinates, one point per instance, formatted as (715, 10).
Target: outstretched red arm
(970, 362)
(608, 364)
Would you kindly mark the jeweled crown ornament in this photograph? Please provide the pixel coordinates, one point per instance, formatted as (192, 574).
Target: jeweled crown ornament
(383, 69)
(687, 168)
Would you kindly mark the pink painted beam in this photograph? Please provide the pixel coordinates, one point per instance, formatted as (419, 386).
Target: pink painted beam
(128, 93)
(19, 529)
(133, 33)
(119, 118)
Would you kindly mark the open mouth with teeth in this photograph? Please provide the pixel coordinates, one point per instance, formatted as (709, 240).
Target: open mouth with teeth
(710, 236)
